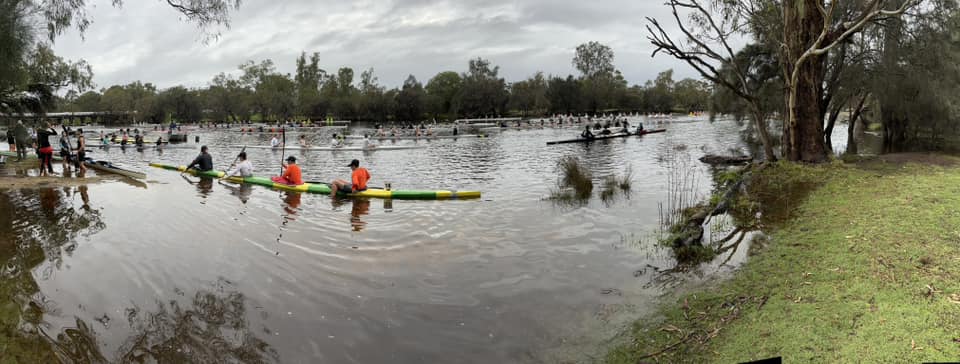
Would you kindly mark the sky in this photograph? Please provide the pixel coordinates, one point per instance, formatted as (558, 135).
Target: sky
(147, 40)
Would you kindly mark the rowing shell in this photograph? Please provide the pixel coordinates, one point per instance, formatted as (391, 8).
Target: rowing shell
(323, 188)
(334, 149)
(602, 137)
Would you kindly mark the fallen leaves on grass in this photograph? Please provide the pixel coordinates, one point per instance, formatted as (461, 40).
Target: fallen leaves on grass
(955, 298)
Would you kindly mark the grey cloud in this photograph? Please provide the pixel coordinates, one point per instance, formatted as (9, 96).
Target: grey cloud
(146, 41)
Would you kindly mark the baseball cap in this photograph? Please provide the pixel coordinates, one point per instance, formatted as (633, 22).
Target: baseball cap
(354, 163)
(292, 159)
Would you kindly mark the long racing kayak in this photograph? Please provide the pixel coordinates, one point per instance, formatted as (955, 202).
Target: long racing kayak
(105, 166)
(333, 149)
(323, 188)
(603, 137)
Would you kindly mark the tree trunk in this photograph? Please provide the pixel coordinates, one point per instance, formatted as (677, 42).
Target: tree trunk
(803, 129)
(760, 123)
(831, 122)
(854, 118)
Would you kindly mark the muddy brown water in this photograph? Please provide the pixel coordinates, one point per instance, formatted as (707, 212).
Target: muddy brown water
(187, 270)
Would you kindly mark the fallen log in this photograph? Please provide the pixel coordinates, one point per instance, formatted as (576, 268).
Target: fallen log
(713, 159)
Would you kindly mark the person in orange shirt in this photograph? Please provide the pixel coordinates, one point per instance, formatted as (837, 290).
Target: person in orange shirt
(360, 178)
(291, 173)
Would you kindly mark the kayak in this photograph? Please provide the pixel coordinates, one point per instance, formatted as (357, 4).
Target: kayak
(413, 137)
(163, 146)
(333, 149)
(323, 188)
(603, 137)
(105, 166)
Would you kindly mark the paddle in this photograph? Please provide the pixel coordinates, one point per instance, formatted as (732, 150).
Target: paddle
(283, 146)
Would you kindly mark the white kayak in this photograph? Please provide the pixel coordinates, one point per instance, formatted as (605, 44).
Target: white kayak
(422, 137)
(334, 149)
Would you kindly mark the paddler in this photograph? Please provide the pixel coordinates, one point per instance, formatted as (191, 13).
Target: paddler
(274, 143)
(587, 134)
(291, 173)
(243, 169)
(336, 142)
(124, 139)
(367, 144)
(639, 128)
(204, 161)
(360, 176)
(303, 141)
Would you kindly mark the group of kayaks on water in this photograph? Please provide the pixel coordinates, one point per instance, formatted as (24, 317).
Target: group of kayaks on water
(336, 141)
(605, 129)
(292, 174)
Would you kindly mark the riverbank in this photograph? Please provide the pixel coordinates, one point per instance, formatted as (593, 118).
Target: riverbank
(865, 267)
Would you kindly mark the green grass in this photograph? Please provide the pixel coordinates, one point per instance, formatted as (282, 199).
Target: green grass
(865, 268)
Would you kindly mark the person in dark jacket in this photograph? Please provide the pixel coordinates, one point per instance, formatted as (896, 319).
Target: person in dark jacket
(204, 161)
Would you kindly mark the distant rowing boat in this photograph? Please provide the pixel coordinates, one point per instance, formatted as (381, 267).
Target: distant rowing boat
(335, 149)
(323, 188)
(603, 137)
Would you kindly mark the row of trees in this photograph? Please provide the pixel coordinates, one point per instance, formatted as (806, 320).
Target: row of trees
(312, 92)
(813, 61)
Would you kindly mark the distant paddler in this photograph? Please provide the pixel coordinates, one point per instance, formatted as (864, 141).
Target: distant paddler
(337, 141)
(11, 141)
(359, 179)
(204, 161)
(275, 142)
(303, 141)
(291, 173)
(367, 144)
(587, 134)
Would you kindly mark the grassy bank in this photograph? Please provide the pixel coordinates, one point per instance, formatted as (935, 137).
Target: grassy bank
(863, 268)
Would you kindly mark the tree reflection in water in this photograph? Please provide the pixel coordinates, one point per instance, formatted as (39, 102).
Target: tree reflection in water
(211, 327)
(34, 235)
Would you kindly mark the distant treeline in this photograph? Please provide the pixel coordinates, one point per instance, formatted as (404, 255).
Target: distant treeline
(262, 93)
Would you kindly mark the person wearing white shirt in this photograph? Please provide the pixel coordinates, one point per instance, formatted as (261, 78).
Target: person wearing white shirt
(336, 142)
(366, 142)
(274, 143)
(243, 169)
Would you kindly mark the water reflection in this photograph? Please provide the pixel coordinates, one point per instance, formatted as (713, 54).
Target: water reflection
(358, 208)
(242, 191)
(37, 237)
(211, 328)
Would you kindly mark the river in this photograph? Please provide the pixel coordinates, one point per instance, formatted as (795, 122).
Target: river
(179, 269)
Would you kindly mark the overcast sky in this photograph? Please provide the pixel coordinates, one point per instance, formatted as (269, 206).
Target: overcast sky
(147, 40)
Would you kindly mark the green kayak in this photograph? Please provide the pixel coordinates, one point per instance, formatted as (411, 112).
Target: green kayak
(323, 188)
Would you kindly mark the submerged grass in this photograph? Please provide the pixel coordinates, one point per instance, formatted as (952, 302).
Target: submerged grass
(575, 183)
(865, 268)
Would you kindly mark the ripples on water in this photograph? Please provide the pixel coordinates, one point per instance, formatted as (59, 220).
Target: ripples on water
(200, 271)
